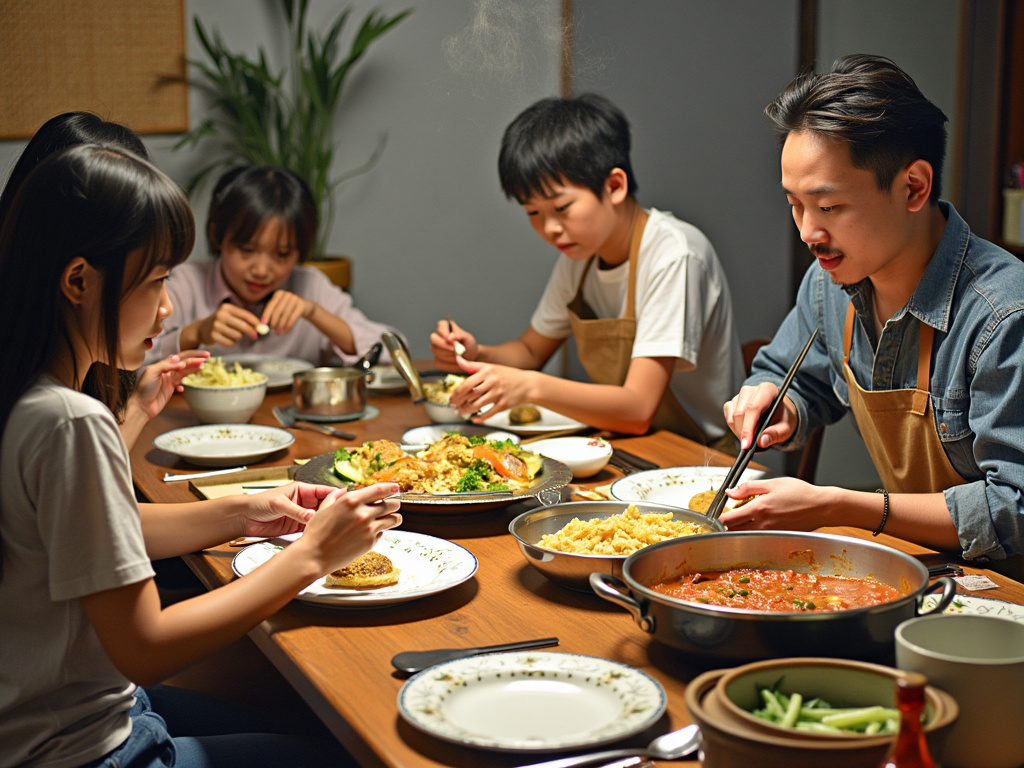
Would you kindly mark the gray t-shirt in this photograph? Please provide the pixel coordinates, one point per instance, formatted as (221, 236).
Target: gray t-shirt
(70, 527)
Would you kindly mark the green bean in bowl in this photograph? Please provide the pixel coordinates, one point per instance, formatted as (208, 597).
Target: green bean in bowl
(793, 710)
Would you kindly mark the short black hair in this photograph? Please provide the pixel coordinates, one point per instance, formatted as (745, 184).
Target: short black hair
(872, 106)
(579, 140)
(249, 196)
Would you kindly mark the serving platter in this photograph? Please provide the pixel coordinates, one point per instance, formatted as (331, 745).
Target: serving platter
(552, 477)
(223, 445)
(427, 566)
(550, 421)
(531, 701)
(277, 369)
(675, 486)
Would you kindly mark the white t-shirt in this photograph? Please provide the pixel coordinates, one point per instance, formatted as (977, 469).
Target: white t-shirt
(69, 527)
(683, 310)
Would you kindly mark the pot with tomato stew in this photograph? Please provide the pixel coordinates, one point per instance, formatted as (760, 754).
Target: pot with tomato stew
(880, 587)
(759, 589)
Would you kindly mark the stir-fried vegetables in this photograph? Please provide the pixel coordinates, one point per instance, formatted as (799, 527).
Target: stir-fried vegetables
(454, 464)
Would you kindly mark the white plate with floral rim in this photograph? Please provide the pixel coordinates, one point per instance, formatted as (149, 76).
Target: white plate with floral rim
(675, 486)
(278, 370)
(550, 421)
(982, 606)
(426, 565)
(531, 701)
(224, 445)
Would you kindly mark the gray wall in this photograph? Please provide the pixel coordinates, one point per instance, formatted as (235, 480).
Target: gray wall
(922, 36)
(428, 228)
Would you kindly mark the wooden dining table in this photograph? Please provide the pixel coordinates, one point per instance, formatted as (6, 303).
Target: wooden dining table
(339, 661)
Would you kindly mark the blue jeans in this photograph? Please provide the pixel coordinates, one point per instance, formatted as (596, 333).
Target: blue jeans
(187, 729)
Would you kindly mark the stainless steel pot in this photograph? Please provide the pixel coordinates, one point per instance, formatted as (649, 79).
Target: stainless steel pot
(329, 392)
(738, 634)
(572, 570)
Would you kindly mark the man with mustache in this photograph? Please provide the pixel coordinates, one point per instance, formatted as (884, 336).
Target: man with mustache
(920, 328)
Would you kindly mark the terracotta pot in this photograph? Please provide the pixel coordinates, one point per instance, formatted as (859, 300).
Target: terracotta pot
(337, 268)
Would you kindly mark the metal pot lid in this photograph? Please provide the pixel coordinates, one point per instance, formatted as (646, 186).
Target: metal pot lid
(403, 362)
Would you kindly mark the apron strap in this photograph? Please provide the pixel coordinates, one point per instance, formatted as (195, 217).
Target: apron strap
(924, 359)
(634, 252)
(924, 367)
(848, 333)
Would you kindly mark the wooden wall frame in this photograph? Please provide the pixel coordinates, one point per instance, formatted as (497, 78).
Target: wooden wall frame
(122, 59)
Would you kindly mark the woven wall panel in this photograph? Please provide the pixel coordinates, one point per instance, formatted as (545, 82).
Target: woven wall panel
(105, 56)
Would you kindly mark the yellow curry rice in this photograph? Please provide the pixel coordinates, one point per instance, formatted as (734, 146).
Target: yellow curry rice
(621, 534)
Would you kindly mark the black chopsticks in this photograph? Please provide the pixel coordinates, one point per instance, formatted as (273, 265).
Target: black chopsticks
(718, 504)
(629, 463)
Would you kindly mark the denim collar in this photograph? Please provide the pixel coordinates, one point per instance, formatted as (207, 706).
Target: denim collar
(932, 300)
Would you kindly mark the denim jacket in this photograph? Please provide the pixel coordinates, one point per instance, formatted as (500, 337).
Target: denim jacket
(972, 293)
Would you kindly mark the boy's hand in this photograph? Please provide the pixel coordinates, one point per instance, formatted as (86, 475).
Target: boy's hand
(226, 326)
(499, 386)
(443, 341)
(284, 310)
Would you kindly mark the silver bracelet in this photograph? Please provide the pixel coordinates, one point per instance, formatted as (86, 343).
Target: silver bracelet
(885, 511)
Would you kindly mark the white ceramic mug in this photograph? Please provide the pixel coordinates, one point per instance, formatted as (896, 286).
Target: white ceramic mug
(980, 661)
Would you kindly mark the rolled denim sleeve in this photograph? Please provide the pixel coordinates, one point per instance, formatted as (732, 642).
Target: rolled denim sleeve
(989, 513)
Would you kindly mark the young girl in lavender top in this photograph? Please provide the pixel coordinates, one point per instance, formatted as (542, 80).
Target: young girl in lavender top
(255, 296)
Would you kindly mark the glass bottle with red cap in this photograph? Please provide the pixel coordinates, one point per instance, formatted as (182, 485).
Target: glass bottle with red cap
(910, 749)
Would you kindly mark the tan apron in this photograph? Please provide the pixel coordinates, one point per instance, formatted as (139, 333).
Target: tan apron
(605, 348)
(899, 430)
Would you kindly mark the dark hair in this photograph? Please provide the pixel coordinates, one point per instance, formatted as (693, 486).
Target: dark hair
(67, 130)
(579, 140)
(246, 198)
(96, 202)
(874, 107)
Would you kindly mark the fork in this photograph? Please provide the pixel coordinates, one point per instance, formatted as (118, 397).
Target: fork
(285, 419)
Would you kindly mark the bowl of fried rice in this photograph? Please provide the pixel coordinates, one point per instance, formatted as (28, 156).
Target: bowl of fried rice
(569, 541)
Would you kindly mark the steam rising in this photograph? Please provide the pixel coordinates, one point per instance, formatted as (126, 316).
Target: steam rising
(502, 38)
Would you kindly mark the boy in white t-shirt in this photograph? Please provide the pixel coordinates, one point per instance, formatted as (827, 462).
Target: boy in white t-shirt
(642, 292)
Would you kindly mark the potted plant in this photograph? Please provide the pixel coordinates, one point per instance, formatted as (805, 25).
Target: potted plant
(285, 118)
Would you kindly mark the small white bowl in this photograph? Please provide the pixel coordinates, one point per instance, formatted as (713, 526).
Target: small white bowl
(442, 413)
(585, 456)
(225, 405)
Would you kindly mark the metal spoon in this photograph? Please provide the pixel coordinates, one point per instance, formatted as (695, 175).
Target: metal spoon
(412, 662)
(286, 419)
(669, 746)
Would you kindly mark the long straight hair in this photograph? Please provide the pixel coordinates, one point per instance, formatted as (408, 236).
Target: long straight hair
(99, 203)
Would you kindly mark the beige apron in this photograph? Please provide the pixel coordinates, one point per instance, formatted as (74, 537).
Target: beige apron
(605, 348)
(899, 431)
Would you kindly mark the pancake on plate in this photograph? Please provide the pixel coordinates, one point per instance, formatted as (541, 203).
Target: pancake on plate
(367, 571)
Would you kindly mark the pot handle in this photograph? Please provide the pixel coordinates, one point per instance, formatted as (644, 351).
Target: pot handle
(615, 591)
(948, 593)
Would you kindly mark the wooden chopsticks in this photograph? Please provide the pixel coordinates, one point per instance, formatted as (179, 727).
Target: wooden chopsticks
(718, 504)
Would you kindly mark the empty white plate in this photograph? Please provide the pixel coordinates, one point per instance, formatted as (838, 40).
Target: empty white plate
(224, 445)
(528, 701)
